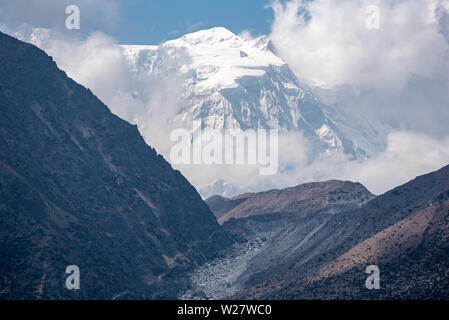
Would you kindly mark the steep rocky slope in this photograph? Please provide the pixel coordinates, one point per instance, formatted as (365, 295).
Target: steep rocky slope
(345, 231)
(79, 186)
(281, 228)
(412, 256)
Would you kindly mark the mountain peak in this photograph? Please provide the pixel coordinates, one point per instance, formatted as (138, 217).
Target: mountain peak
(212, 36)
(216, 32)
(221, 58)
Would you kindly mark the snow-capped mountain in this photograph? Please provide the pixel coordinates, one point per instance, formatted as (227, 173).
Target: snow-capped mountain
(224, 80)
(236, 82)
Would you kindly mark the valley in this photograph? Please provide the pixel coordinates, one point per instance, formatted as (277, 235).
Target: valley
(320, 251)
(80, 186)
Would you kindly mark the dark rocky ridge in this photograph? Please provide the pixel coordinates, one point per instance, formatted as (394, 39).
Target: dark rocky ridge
(79, 186)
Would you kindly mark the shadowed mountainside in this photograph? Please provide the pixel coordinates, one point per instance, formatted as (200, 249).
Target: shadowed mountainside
(79, 186)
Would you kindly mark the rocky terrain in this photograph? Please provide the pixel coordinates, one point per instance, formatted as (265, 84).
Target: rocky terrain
(404, 231)
(79, 186)
(412, 256)
(314, 241)
(280, 228)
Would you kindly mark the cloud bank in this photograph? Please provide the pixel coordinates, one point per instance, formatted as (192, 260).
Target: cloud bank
(328, 42)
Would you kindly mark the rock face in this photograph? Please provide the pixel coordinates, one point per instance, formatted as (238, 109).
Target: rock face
(79, 186)
(403, 231)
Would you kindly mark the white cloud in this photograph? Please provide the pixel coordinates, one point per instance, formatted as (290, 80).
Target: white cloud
(334, 46)
(51, 13)
(407, 155)
(98, 63)
(292, 155)
(95, 62)
(396, 75)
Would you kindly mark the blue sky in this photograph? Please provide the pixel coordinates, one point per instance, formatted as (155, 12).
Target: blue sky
(150, 22)
(141, 21)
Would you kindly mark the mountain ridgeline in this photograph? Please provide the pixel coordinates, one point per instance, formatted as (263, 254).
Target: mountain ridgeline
(79, 186)
(303, 199)
(228, 81)
(403, 231)
(281, 228)
(315, 240)
(235, 82)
